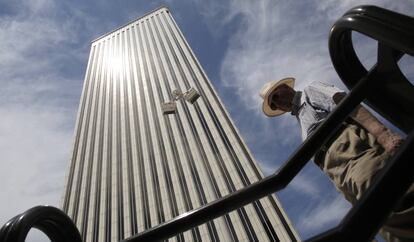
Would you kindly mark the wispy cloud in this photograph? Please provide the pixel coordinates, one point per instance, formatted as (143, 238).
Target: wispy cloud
(36, 105)
(327, 214)
(34, 142)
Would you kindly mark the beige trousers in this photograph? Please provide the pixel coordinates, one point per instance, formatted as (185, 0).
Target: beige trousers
(352, 162)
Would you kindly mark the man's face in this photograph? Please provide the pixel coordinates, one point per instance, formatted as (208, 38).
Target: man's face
(281, 98)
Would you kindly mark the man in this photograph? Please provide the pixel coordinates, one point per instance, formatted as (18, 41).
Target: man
(356, 153)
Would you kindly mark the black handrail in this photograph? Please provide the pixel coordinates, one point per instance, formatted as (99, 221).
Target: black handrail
(385, 78)
(395, 35)
(50, 220)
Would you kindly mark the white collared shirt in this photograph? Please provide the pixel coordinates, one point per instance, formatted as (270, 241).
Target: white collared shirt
(313, 105)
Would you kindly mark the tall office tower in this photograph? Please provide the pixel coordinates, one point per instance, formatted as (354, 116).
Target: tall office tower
(134, 167)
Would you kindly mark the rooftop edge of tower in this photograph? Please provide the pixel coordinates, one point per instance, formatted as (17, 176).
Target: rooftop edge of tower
(159, 9)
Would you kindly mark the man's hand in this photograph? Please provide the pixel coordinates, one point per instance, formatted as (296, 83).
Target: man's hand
(389, 141)
(385, 137)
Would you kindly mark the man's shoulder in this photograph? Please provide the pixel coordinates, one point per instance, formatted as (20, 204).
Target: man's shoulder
(321, 87)
(319, 84)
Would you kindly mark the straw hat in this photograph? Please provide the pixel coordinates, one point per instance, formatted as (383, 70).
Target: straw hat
(267, 89)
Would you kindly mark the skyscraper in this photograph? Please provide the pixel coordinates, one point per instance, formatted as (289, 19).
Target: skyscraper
(134, 167)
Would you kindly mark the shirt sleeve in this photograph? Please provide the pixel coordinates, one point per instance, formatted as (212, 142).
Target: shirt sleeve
(321, 95)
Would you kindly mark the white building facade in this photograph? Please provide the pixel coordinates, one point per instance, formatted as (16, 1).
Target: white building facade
(134, 167)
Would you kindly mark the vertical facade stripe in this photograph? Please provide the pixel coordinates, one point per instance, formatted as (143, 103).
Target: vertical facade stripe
(130, 166)
(108, 212)
(133, 168)
(114, 146)
(99, 160)
(138, 135)
(79, 120)
(119, 155)
(100, 204)
(90, 157)
(85, 133)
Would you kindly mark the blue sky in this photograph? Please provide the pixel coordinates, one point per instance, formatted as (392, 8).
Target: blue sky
(44, 46)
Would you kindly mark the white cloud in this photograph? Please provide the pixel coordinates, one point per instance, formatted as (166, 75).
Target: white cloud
(36, 111)
(327, 214)
(34, 143)
(306, 186)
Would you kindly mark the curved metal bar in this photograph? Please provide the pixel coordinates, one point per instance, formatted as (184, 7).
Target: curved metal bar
(50, 220)
(397, 21)
(395, 35)
(390, 28)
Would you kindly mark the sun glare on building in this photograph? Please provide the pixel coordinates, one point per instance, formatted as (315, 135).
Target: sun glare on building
(115, 63)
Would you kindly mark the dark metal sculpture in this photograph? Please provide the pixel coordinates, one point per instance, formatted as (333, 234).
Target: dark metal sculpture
(392, 94)
(383, 87)
(50, 220)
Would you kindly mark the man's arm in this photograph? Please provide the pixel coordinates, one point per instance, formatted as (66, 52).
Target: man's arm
(384, 136)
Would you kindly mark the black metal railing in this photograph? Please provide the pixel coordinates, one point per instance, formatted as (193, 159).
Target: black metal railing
(50, 220)
(383, 87)
(392, 94)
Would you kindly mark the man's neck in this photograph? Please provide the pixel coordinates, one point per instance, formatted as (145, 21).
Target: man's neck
(296, 103)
